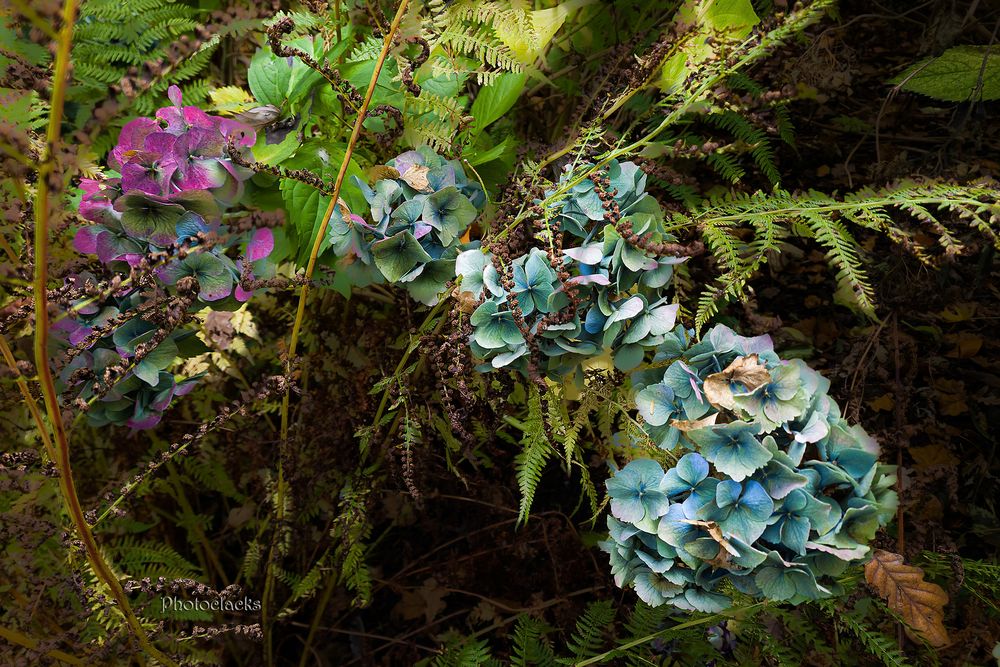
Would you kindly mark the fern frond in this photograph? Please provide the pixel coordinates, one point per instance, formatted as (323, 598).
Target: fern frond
(535, 452)
(588, 637)
(824, 218)
(464, 653)
(878, 645)
(148, 559)
(531, 648)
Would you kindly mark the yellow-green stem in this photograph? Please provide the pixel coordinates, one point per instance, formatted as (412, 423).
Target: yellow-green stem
(62, 460)
(303, 297)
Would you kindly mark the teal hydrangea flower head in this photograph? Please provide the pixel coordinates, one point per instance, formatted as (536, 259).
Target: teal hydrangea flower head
(419, 212)
(777, 496)
(602, 292)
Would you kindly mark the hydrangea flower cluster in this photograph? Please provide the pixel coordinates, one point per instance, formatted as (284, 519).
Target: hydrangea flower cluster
(615, 289)
(140, 398)
(778, 495)
(173, 180)
(419, 213)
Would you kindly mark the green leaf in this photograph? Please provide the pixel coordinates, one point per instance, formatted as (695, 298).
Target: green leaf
(476, 157)
(306, 207)
(275, 153)
(303, 77)
(269, 77)
(527, 45)
(737, 16)
(450, 212)
(494, 100)
(398, 255)
(954, 75)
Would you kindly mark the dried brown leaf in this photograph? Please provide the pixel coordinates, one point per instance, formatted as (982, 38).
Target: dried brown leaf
(920, 603)
(693, 424)
(748, 371)
(727, 550)
(380, 172)
(416, 178)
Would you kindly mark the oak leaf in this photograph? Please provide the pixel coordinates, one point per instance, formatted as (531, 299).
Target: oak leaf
(920, 603)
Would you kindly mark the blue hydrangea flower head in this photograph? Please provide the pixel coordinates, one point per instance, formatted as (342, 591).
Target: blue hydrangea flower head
(777, 495)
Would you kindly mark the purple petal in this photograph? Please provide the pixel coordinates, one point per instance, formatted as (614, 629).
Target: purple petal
(149, 421)
(200, 175)
(180, 120)
(171, 273)
(108, 249)
(241, 294)
(76, 337)
(97, 201)
(139, 177)
(160, 143)
(163, 399)
(358, 220)
(132, 138)
(260, 245)
(245, 133)
(592, 279)
(421, 229)
(184, 387)
(406, 160)
(174, 95)
(85, 241)
(196, 118)
(196, 142)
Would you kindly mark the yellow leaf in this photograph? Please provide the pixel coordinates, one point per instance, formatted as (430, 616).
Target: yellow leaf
(920, 603)
(883, 403)
(931, 456)
(967, 345)
(231, 99)
(950, 395)
(958, 312)
(527, 45)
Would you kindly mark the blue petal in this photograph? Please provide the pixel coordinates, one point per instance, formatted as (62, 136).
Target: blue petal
(628, 509)
(756, 501)
(727, 493)
(692, 468)
(656, 404)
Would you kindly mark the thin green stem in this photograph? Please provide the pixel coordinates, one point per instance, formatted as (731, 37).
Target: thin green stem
(29, 400)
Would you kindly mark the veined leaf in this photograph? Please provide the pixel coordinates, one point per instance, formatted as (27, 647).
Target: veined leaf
(494, 100)
(919, 602)
(954, 75)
